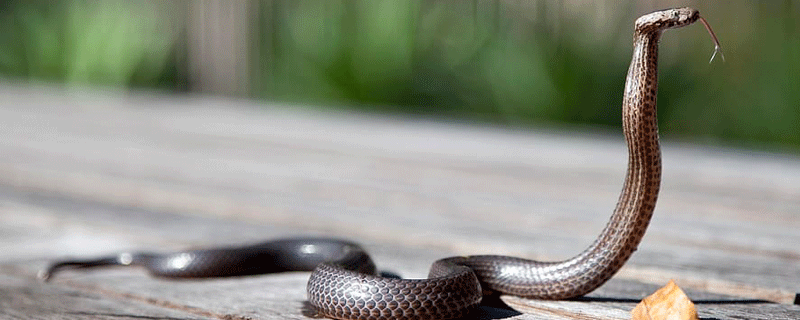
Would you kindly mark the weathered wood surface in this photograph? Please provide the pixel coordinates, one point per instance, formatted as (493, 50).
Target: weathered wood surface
(82, 174)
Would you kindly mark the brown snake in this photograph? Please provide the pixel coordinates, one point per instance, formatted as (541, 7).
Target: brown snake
(541, 280)
(343, 284)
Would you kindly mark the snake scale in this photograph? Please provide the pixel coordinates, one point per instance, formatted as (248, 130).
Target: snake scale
(344, 284)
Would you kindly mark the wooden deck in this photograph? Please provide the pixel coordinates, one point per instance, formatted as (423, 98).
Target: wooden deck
(88, 173)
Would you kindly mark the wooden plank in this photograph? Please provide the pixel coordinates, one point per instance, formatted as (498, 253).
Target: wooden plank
(87, 173)
(284, 294)
(22, 298)
(280, 296)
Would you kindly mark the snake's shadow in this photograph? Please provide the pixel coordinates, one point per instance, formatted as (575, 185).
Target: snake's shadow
(699, 301)
(492, 307)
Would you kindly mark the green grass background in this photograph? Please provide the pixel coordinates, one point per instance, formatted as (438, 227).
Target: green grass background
(516, 63)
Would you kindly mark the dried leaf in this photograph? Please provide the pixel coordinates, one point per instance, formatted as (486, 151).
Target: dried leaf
(667, 303)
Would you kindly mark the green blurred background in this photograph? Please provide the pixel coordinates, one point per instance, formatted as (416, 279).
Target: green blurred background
(511, 63)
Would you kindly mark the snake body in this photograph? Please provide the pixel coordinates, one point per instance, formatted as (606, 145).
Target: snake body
(344, 285)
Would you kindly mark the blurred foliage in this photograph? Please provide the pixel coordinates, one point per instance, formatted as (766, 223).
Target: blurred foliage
(114, 43)
(510, 62)
(523, 62)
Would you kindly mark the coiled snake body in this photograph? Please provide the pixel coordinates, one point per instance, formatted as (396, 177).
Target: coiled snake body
(343, 284)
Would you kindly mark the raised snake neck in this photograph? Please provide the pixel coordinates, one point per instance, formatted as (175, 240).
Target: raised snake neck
(343, 284)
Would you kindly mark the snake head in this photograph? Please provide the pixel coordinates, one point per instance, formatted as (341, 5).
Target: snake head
(666, 19)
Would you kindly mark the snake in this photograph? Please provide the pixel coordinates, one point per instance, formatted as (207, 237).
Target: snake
(344, 283)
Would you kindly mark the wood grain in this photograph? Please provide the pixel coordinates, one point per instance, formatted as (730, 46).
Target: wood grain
(87, 173)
